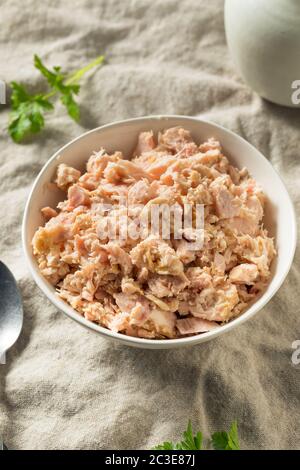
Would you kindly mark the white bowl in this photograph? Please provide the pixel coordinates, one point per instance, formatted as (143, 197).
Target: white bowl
(279, 214)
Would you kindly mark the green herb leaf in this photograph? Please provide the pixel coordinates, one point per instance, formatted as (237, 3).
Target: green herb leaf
(71, 105)
(19, 94)
(189, 442)
(58, 81)
(27, 115)
(52, 77)
(234, 437)
(226, 441)
(165, 446)
(220, 440)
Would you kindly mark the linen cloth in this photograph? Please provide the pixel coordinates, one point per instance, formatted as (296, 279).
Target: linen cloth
(67, 388)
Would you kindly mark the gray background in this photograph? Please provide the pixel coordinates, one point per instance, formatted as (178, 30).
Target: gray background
(64, 387)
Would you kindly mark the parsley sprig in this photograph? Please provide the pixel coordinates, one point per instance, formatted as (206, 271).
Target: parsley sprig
(27, 115)
(219, 440)
(226, 440)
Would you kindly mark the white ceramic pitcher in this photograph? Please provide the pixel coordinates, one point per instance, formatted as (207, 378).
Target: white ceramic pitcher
(263, 37)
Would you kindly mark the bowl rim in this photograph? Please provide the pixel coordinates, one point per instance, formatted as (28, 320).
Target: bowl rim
(144, 342)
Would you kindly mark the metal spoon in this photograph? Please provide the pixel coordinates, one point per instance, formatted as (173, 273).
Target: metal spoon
(11, 311)
(2, 445)
(11, 315)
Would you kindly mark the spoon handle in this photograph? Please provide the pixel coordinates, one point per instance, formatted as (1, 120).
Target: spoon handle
(2, 445)
(3, 358)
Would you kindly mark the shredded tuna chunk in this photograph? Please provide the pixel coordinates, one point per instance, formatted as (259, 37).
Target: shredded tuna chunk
(226, 204)
(191, 325)
(157, 256)
(144, 284)
(244, 274)
(117, 255)
(48, 213)
(175, 139)
(141, 192)
(99, 161)
(146, 143)
(124, 170)
(163, 322)
(166, 285)
(66, 176)
(77, 197)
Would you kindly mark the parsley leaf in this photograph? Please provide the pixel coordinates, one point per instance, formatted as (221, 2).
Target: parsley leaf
(220, 440)
(27, 115)
(58, 81)
(165, 446)
(226, 441)
(189, 442)
(71, 105)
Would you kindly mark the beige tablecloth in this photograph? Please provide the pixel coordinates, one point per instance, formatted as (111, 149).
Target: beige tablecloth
(66, 388)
